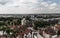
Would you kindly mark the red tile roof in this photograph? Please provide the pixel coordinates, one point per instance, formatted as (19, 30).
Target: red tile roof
(58, 26)
(27, 31)
(50, 31)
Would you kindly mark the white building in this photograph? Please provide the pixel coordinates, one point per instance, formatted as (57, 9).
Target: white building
(54, 36)
(23, 21)
(45, 35)
(3, 33)
(39, 36)
(36, 35)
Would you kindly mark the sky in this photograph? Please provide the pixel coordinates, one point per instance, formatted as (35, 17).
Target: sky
(29, 6)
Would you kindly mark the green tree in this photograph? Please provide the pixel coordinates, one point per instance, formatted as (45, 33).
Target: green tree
(40, 24)
(58, 33)
(2, 23)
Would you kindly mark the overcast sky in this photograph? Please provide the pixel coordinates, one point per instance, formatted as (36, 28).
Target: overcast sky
(29, 6)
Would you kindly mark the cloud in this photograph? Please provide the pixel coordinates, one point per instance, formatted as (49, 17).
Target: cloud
(45, 4)
(3, 2)
(52, 6)
(28, 7)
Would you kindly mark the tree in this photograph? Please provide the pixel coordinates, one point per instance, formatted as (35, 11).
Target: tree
(9, 31)
(41, 24)
(19, 21)
(2, 23)
(58, 33)
(38, 24)
(28, 18)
